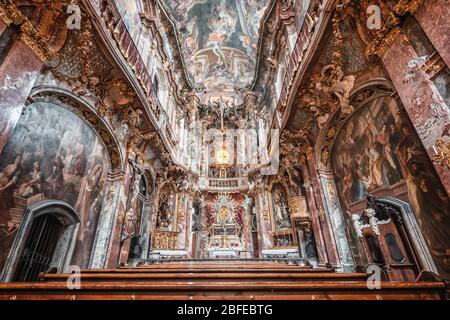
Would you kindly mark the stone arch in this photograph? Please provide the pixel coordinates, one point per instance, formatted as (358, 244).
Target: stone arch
(66, 243)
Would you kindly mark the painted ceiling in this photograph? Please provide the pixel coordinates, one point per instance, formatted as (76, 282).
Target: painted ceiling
(219, 40)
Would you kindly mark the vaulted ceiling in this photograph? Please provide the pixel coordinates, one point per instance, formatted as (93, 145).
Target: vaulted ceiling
(218, 40)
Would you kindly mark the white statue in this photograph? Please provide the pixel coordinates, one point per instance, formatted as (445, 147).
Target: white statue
(357, 225)
(373, 221)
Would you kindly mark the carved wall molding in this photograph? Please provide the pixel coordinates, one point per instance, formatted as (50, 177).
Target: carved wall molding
(442, 156)
(31, 34)
(391, 29)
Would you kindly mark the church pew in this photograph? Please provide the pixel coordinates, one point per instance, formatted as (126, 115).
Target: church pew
(212, 276)
(255, 290)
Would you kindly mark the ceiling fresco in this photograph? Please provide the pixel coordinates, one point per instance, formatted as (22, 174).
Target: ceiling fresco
(219, 40)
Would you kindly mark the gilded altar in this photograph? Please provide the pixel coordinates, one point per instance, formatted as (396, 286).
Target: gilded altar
(166, 240)
(225, 231)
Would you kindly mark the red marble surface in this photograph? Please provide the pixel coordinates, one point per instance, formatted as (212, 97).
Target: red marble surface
(416, 94)
(434, 17)
(114, 250)
(321, 226)
(17, 76)
(2, 27)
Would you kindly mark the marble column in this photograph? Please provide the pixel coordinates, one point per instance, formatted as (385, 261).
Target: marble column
(106, 221)
(315, 220)
(423, 103)
(264, 227)
(146, 229)
(434, 17)
(336, 217)
(328, 248)
(247, 226)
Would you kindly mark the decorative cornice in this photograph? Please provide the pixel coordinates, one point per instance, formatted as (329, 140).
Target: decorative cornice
(10, 14)
(442, 156)
(385, 37)
(33, 39)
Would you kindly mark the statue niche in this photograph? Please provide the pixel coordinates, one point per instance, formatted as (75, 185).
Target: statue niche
(166, 210)
(166, 223)
(282, 231)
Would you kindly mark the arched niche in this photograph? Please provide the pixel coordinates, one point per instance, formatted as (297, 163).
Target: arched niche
(167, 206)
(280, 214)
(61, 260)
(59, 150)
(376, 150)
(140, 241)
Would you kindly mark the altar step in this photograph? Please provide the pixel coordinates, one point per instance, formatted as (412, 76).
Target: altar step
(221, 280)
(205, 272)
(220, 266)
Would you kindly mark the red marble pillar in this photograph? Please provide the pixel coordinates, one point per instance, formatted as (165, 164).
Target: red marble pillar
(434, 18)
(18, 74)
(323, 226)
(319, 237)
(425, 106)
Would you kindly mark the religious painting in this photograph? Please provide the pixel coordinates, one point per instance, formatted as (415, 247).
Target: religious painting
(378, 150)
(52, 154)
(219, 39)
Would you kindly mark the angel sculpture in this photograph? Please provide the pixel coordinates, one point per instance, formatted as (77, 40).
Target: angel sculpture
(342, 88)
(373, 220)
(357, 225)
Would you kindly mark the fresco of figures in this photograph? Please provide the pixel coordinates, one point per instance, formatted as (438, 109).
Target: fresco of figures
(219, 39)
(378, 148)
(52, 154)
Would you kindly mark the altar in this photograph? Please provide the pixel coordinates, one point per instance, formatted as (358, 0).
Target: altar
(229, 253)
(225, 232)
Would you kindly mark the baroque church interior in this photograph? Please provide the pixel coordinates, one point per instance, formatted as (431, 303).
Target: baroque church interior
(224, 148)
